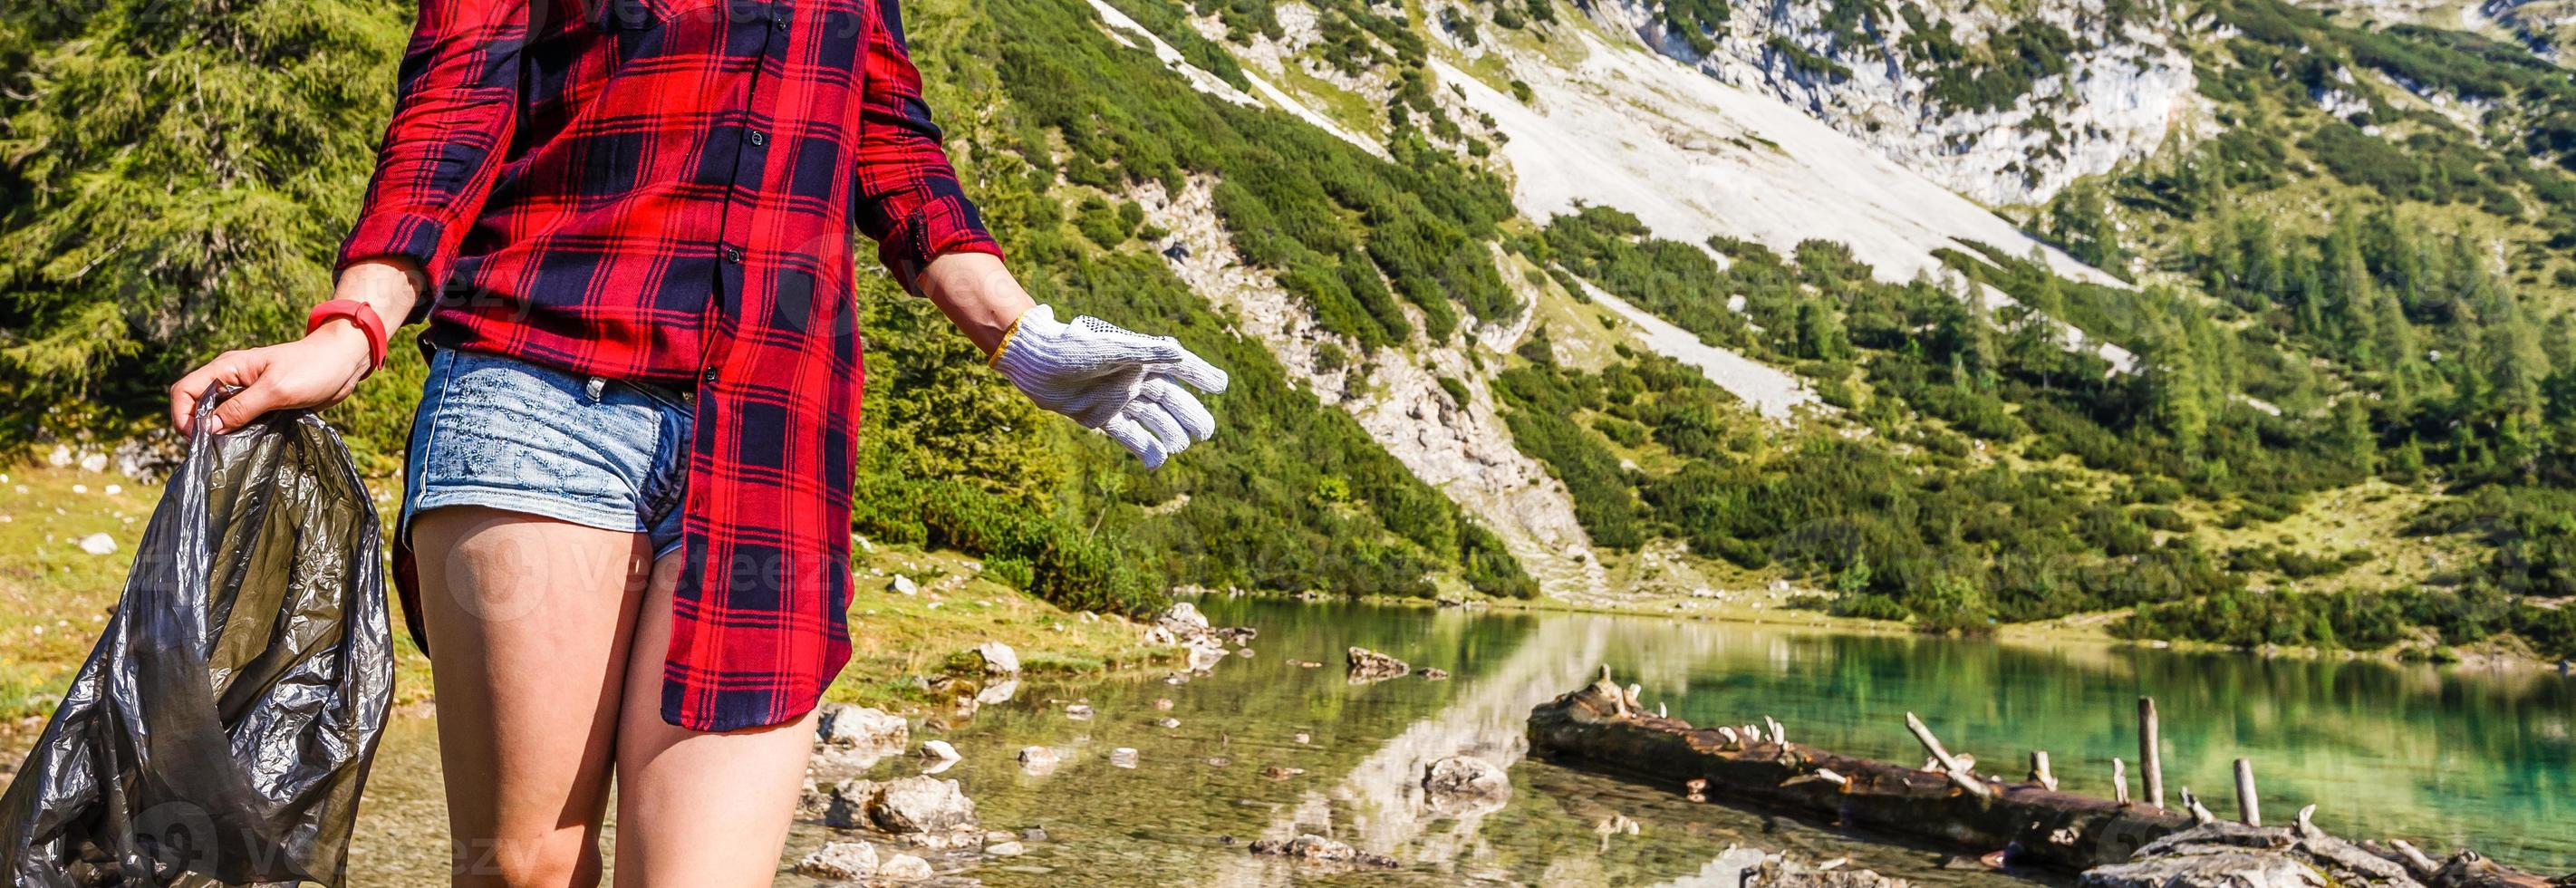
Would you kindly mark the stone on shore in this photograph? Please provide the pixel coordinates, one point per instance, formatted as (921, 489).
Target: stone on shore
(995, 658)
(1183, 620)
(840, 861)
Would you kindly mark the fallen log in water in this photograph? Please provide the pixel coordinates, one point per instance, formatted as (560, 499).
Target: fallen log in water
(1946, 802)
(1600, 725)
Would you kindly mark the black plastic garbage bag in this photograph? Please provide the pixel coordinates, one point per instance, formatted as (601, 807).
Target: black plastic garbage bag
(221, 731)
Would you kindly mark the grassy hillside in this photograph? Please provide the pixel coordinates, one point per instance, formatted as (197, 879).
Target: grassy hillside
(2347, 423)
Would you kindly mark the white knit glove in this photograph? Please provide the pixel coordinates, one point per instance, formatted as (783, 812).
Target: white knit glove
(1124, 384)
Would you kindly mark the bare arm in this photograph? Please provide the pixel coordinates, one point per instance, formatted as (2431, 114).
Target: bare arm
(977, 293)
(316, 371)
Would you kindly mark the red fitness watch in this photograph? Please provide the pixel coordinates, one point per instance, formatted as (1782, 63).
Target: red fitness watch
(358, 313)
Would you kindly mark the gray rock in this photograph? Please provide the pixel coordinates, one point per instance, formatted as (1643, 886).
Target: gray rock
(847, 807)
(840, 860)
(904, 585)
(939, 749)
(1466, 777)
(1036, 757)
(1183, 619)
(1005, 849)
(997, 658)
(1368, 665)
(904, 868)
(917, 804)
(846, 725)
(1321, 850)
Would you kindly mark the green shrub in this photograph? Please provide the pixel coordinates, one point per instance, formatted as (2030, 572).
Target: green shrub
(1066, 565)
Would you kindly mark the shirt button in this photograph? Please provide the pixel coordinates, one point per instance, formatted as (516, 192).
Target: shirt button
(733, 255)
(709, 376)
(759, 138)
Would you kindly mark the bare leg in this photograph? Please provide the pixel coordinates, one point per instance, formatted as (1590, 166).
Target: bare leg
(697, 810)
(529, 619)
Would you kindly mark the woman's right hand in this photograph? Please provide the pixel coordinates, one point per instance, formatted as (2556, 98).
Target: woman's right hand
(318, 370)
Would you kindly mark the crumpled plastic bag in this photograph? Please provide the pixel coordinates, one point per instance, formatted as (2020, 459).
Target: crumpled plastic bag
(221, 730)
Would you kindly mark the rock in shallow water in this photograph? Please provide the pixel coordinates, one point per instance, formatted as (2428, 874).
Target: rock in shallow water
(840, 860)
(904, 868)
(917, 804)
(1368, 665)
(1466, 777)
(846, 725)
(1317, 848)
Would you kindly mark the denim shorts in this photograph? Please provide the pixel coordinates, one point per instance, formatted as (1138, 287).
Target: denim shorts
(506, 434)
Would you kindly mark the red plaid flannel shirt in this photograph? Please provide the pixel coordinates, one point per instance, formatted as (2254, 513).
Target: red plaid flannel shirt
(663, 191)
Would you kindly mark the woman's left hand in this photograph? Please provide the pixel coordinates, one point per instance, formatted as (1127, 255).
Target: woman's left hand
(1127, 385)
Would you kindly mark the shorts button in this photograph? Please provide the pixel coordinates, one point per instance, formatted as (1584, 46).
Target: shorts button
(595, 388)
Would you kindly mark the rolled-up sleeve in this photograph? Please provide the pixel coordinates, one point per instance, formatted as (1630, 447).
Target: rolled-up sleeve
(455, 108)
(909, 198)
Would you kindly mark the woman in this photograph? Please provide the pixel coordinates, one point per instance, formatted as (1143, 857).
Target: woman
(628, 484)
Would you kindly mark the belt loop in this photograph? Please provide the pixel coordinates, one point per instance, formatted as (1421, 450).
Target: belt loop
(595, 388)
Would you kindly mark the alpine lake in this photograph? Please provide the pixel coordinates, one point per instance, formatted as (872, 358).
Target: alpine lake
(2444, 756)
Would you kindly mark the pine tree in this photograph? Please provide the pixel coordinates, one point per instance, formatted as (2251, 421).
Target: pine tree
(1820, 332)
(2177, 393)
(174, 180)
(2347, 284)
(2515, 364)
(2353, 439)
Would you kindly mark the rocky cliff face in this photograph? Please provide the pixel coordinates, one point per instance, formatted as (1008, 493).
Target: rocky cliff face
(2003, 107)
(2548, 26)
